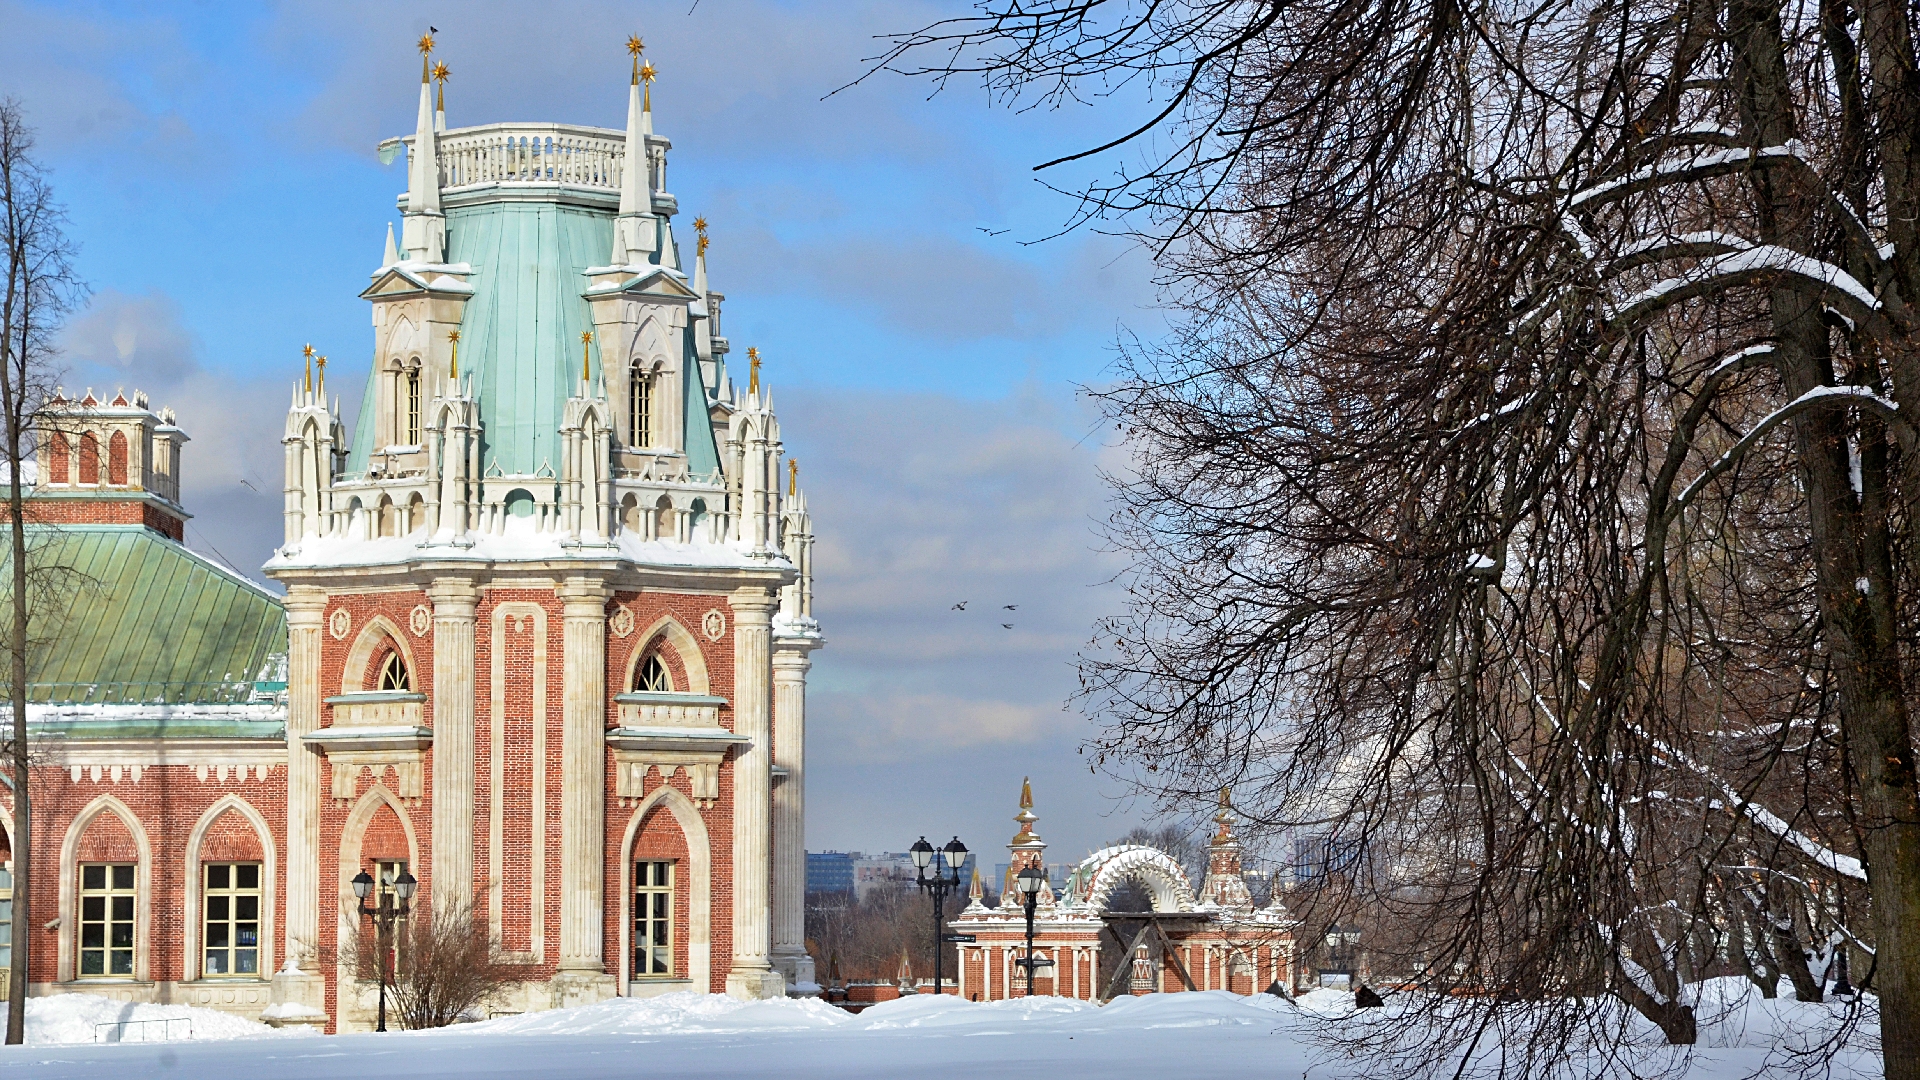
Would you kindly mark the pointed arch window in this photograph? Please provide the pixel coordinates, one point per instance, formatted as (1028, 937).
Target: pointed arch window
(413, 406)
(652, 675)
(393, 674)
(640, 408)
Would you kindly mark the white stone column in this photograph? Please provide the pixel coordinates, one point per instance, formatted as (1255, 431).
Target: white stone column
(752, 975)
(298, 981)
(582, 977)
(451, 874)
(790, 664)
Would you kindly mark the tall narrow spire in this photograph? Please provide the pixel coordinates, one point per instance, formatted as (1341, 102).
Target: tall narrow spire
(633, 232)
(393, 253)
(586, 358)
(453, 361)
(425, 228)
(309, 353)
(440, 73)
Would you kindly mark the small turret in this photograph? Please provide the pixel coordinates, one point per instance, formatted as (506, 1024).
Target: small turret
(1225, 886)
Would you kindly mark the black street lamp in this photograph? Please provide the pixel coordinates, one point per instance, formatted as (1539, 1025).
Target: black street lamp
(945, 879)
(1029, 882)
(384, 916)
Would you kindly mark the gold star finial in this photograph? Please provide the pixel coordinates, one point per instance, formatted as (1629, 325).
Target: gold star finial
(793, 476)
(647, 73)
(440, 73)
(426, 52)
(453, 365)
(753, 370)
(635, 46)
(586, 353)
(426, 44)
(700, 226)
(309, 353)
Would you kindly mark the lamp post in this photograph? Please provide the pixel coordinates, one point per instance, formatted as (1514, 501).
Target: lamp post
(384, 917)
(945, 879)
(1029, 882)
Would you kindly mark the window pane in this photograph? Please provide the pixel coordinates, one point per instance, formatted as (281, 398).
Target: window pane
(246, 907)
(93, 908)
(217, 908)
(123, 877)
(216, 962)
(123, 961)
(247, 876)
(92, 935)
(246, 934)
(217, 876)
(93, 963)
(122, 935)
(217, 935)
(93, 877)
(123, 908)
(246, 962)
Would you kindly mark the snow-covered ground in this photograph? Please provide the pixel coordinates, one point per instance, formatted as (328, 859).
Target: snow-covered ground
(1177, 1035)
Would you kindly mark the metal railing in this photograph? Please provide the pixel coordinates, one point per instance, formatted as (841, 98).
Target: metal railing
(163, 1030)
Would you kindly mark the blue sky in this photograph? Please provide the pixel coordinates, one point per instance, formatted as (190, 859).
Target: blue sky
(218, 164)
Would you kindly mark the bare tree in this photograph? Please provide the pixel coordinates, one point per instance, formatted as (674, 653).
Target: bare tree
(446, 970)
(1527, 493)
(41, 288)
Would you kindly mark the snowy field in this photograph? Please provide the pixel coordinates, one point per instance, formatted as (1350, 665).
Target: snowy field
(684, 1035)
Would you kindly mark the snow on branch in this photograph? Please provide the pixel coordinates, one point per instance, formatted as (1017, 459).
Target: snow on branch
(1696, 166)
(1758, 263)
(1859, 395)
(1844, 865)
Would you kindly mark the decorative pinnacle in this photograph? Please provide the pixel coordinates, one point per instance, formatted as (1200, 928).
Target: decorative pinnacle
(453, 338)
(426, 50)
(586, 350)
(793, 476)
(321, 363)
(646, 96)
(1026, 793)
(635, 46)
(700, 226)
(309, 354)
(753, 369)
(440, 74)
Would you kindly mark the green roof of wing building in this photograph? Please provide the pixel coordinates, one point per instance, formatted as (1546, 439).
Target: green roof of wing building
(138, 635)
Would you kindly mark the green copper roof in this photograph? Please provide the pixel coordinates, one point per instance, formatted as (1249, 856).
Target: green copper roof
(520, 333)
(140, 618)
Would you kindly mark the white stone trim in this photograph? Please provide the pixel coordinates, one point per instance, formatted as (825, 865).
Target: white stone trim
(269, 867)
(699, 885)
(69, 909)
(692, 660)
(353, 674)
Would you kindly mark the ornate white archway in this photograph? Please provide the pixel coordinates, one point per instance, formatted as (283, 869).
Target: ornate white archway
(1109, 868)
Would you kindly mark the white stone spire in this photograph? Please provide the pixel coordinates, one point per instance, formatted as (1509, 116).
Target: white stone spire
(392, 255)
(425, 228)
(634, 229)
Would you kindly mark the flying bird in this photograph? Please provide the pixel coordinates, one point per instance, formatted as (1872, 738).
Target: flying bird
(1009, 607)
(1007, 625)
(433, 29)
(992, 232)
(962, 605)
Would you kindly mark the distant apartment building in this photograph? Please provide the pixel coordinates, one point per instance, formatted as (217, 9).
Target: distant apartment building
(859, 873)
(830, 871)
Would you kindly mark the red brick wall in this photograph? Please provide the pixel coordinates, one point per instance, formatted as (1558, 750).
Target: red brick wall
(106, 511)
(384, 838)
(647, 609)
(167, 801)
(117, 459)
